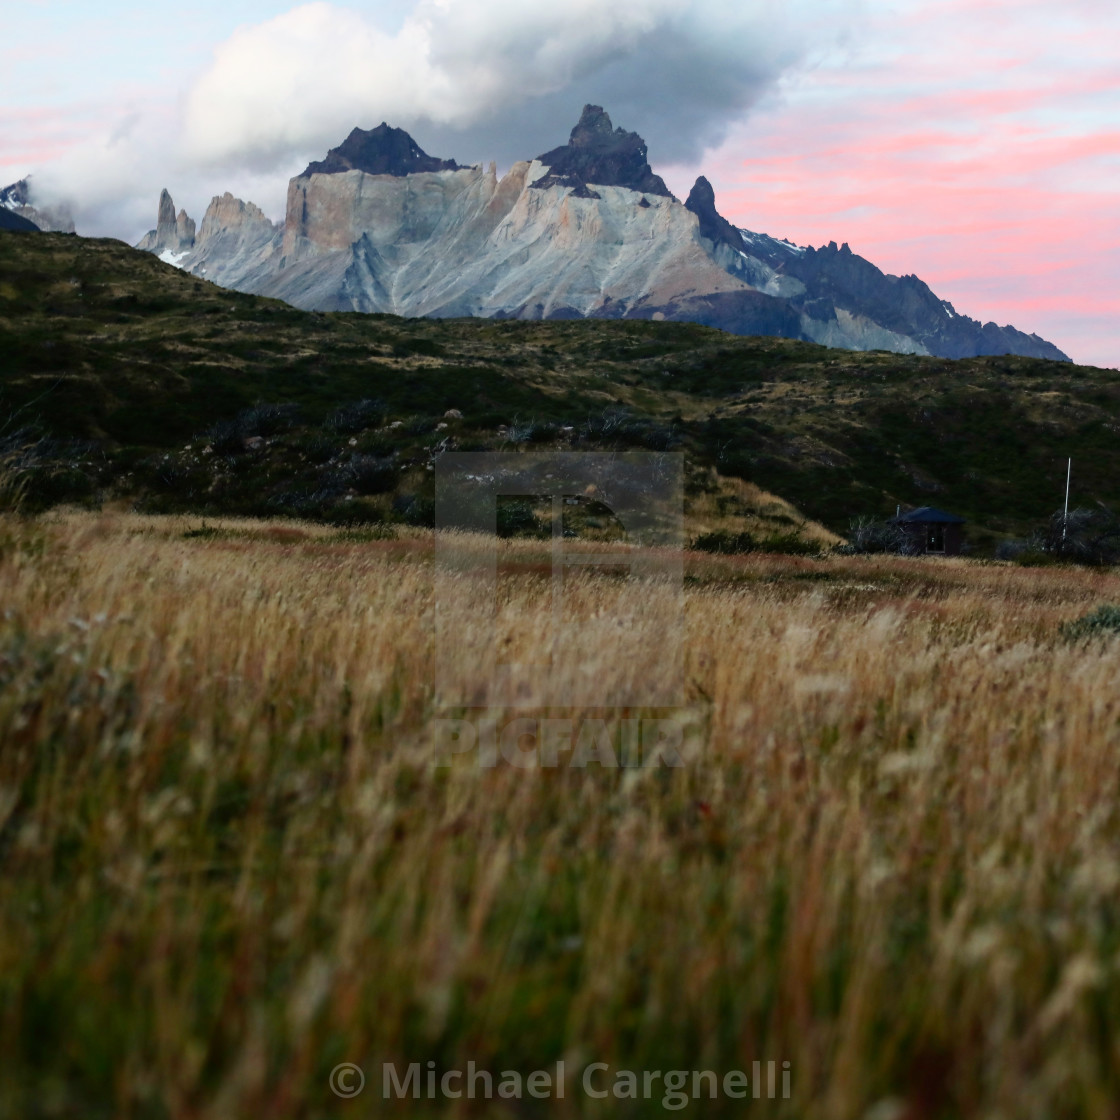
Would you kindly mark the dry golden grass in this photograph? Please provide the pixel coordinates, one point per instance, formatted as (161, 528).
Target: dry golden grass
(231, 862)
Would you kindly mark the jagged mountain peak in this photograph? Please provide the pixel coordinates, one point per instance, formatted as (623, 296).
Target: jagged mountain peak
(15, 194)
(383, 150)
(597, 154)
(593, 128)
(713, 225)
(174, 234)
(612, 243)
(16, 199)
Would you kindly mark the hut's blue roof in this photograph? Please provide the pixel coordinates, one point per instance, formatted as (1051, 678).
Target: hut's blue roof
(925, 515)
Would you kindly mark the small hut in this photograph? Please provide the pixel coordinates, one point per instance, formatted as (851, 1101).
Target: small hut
(933, 531)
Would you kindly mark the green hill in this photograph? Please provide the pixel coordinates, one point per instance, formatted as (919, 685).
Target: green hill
(123, 378)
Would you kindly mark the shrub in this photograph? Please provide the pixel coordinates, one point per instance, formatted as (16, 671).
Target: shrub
(725, 542)
(370, 475)
(868, 535)
(268, 419)
(419, 425)
(228, 437)
(1100, 623)
(517, 519)
(352, 418)
(319, 448)
(364, 533)
(790, 544)
(17, 453)
(1012, 549)
(522, 431)
(421, 512)
(1085, 536)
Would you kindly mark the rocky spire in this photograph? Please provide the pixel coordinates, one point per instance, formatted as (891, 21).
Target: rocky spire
(173, 232)
(601, 155)
(383, 150)
(167, 233)
(713, 225)
(184, 230)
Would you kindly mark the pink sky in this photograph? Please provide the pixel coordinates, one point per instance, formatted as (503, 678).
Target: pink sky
(976, 145)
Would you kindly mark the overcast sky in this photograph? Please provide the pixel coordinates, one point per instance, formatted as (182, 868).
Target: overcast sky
(975, 143)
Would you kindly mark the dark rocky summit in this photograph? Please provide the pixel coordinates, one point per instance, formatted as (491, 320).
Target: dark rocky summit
(713, 225)
(15, 195)
(383, 150)
(599, 154)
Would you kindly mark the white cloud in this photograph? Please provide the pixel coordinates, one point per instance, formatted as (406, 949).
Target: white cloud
(473, 80)
(477, 70)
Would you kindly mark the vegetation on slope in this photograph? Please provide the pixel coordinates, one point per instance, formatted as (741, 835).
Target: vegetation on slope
(125, 371)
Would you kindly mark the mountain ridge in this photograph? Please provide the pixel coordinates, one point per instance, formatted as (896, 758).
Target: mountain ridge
(586, 230)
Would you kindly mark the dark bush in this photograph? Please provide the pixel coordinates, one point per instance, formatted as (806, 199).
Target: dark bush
(868, 535)
(420, 512)
(370, 475)
(790, 544)
(268, 419)
(1012, 549)
(419, 425)
(1100, 623)
(517, 519)
(725, 542)
(1085, 536)
(227, 437)
(352, 418)
(319, 448)
(426, 347)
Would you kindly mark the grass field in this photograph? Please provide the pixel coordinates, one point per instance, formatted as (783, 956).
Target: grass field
(230, 861)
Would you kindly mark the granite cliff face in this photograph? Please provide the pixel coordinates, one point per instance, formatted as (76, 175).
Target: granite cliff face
(584, 230)
(236, 247)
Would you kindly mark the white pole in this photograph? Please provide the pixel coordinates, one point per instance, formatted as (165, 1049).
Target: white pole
(1065, 513)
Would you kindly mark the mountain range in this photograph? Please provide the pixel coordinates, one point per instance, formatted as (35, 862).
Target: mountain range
(585, 230)
(17, 212)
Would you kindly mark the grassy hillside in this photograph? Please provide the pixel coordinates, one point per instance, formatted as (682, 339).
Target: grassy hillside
(146, 384)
